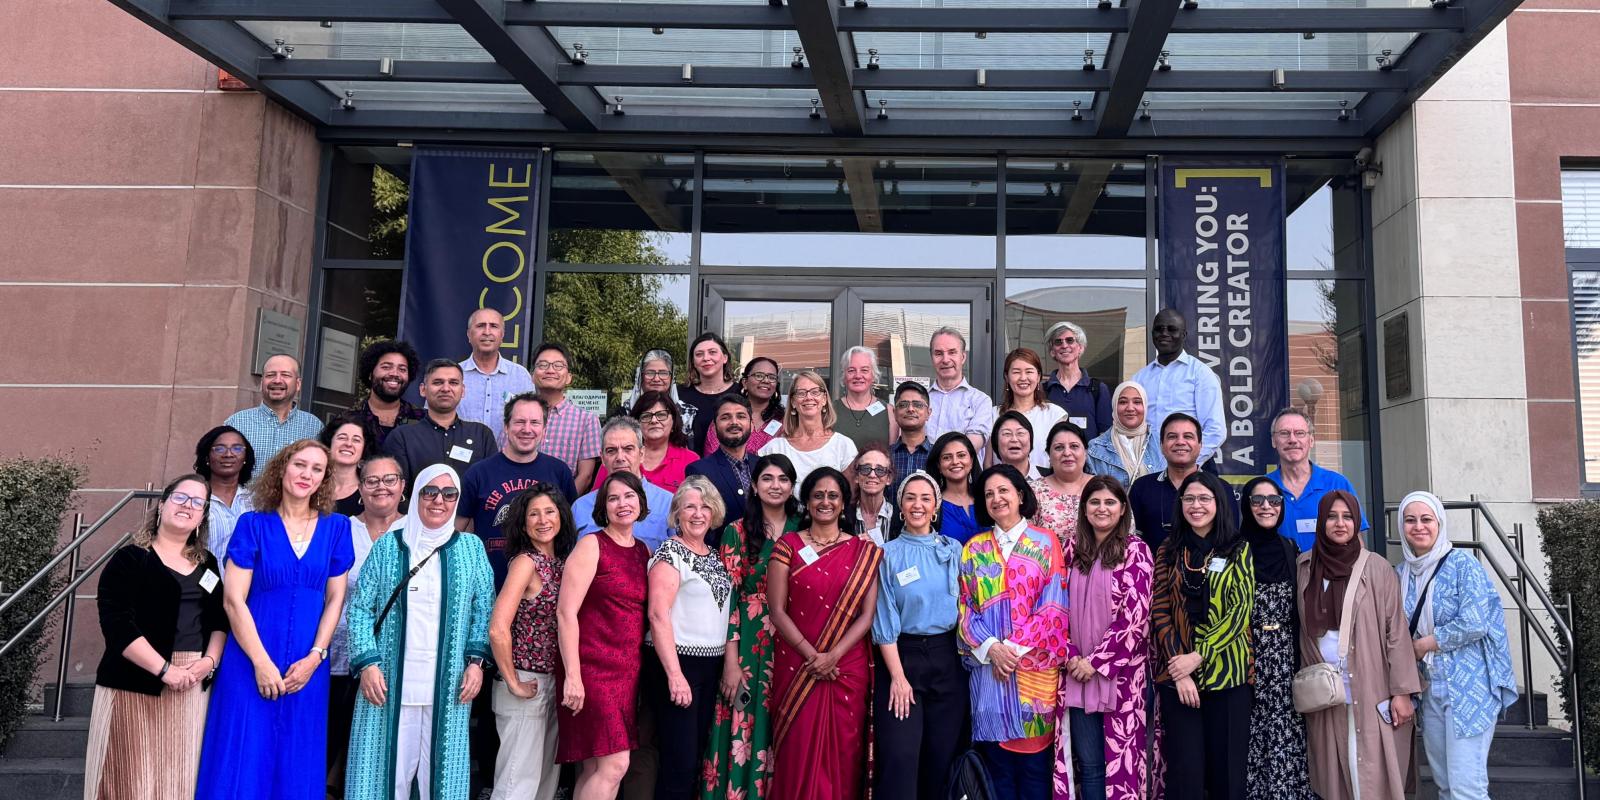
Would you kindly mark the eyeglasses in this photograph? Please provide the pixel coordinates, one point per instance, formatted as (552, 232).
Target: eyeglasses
(763, 377)
(906, 405)
(655, 416)
(1198, 500)
(807, 394)
(553, 366)
(658, 373)
(870, 470)
(1292, 434)
(374, 481)
(449, 493)
(1063, 341)
(1268, 500)
(192, 501)
(224, 449)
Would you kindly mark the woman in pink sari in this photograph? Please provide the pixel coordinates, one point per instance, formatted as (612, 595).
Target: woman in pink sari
(821, 590)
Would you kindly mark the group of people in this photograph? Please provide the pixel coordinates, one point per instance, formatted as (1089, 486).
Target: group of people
(722, 592)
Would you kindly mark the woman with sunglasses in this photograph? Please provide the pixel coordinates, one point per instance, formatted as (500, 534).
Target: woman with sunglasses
(871, 474)
(1277, 761)
(419, 634)
(160, 602)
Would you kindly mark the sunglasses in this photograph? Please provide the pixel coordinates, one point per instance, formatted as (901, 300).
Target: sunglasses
(1268, 500)
(449, 493)
(869, 470)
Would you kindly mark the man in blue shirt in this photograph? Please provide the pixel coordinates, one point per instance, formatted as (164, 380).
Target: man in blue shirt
(1086, 400)
(1177, 382)
(489, 486)
(276, 423)
(1302, 482)
(622, 450)
(489, 379)
(729, 466)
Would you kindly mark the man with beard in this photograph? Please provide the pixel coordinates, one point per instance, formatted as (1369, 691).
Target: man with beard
(386, 368)
(490, 485)
(442, 437)
(729, 467)
(276, 423)
(1178, 383)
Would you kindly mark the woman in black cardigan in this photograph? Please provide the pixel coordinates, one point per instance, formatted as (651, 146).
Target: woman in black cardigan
(160, 603)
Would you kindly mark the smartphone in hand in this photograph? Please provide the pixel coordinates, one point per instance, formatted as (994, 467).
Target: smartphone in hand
(1384, 713)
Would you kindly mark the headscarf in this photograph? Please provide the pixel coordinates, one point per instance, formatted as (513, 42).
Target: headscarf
(419, 538)
(1332, 563)
(685, 410)
(1130, 443)
(945, 548)
(1421, 566)
(1272, 564)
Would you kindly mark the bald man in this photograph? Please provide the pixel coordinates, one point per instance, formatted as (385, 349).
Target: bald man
(490, 380)
(276, 423)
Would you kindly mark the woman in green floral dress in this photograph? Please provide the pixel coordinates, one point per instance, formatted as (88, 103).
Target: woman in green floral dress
(738, 759)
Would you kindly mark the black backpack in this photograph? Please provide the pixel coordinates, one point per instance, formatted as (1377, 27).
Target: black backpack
(969, 778)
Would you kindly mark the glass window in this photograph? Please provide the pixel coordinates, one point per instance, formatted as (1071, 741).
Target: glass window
(1586, 347)
(806, 211)
(621, 208)
(1580, 207)
(1323, 230)
(1082, 214)
(608, 320)
(797, 335)
(368, 192)
(359, 307)
(1110, 311)
(1327, 379)
(899, 333)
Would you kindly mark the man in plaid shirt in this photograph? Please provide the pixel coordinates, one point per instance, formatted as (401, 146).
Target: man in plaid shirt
(570, 433)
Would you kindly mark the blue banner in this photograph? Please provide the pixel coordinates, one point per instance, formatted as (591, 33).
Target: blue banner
(470, 245)
(1221, 229)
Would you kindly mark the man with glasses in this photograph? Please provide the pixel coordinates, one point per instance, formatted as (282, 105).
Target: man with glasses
(1086, 400)
(490, 485)
(728, 467)
(1177, 382)
(490, 380)
(276, 423)
(1302, 482)
(570, 433)
(909, 453)
(442, 437)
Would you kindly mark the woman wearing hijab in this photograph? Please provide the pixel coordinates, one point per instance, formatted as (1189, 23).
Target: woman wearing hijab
(1458, 633)
(1127, 451)
(654, 374)
(1277, 763)
(419, 634)
(1372, 728)
(1201, 603)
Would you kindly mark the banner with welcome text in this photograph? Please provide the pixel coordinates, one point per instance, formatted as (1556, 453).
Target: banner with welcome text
(1221, 229)
(470, 245)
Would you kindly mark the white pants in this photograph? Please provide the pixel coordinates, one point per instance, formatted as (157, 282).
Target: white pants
(1460, 767)
(413, 751)
(526, 767)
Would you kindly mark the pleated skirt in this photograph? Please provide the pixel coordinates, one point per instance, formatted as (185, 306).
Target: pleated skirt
(143, 747)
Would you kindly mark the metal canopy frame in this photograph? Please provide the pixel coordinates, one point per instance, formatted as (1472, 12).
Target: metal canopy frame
(518, 36)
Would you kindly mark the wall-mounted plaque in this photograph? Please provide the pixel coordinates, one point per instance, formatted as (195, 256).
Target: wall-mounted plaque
(337, 368)
(276, 334)
(1397, 357)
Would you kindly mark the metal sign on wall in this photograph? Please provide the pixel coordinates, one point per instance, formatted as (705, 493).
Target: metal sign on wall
(1221, 228)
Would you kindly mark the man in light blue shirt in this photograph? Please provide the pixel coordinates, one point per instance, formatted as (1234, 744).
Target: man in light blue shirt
(1303, 483)
(622, 450)
(1177, 382)
(953, 403)
(489, 379)
(276, 423)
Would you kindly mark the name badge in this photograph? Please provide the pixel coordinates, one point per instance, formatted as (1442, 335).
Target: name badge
(1217, 565)
(875, 536)
(773, 427)
(460, 453)
(1082, 422)
(808, 554)
(209, 581)
(1305, 525)
(908, 575)
(876, 408)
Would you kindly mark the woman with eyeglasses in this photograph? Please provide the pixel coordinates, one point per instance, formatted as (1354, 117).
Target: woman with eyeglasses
(655, 373)
(350, 439)
(666, 451)
(160, 602)
(823, 588)
(284, 591)
(871, 474)
(710, 374)
(227, 462)
(1277, 760)
(1025, 394)
(381, 484)
(1011, 442)
(808, 439)
(860, 414)
(419, 634)
(760, 384)
(1061, 492)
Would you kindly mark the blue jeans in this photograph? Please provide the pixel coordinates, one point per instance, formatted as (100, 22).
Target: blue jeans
(1089, 748)
(1460, 766)
(1018, 776)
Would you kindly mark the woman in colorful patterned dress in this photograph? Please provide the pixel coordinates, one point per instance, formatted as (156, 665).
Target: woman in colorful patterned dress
(1104, 685)
(1013, 625)
(738, 760)
(1059, 492)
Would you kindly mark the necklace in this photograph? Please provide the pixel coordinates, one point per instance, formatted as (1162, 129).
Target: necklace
(1186, 566)
(816, 543)
(304, 527)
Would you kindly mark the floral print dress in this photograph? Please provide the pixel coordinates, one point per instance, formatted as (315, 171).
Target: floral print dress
(1277, 761)
(1058, 512)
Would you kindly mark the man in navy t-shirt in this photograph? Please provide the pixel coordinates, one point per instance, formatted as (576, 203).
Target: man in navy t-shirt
(489, 485)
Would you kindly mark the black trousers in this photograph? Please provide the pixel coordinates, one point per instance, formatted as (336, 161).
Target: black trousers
(682, 733)
(342, 691)
(1207, 748)
(914, 755)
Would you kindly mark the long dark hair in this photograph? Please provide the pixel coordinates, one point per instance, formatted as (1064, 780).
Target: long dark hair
(755, 518)
(939, 445)
(1086, 547)
(727, 364)
(202, 454)
(515, 524)
(774, 409)
(194, 549)
(817, 476)
(675, 435)
(1224, 536)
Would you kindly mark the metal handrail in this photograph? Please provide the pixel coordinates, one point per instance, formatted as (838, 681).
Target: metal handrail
(72, 554)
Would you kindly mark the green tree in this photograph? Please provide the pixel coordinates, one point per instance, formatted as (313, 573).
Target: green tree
(390, 198)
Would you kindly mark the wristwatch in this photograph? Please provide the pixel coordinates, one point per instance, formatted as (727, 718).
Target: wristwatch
(475, 660)
(321, 652)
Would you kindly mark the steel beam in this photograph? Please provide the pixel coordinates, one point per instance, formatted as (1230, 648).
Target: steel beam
(530, 56)
(1318, 20)
(365, 69)
(831, 56)
(1428, 58)
(309, 10)
(1130, 60)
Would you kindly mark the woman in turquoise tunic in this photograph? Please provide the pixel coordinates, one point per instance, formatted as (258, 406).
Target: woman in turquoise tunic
(266, 730)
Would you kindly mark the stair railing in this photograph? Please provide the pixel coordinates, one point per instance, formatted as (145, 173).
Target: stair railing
(72, 555)
(1517, 586)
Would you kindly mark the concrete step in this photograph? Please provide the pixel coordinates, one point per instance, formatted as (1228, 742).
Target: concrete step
(77, 703)
(1520, 783)
(1517, 714)
(42, 778)
(1517, 746)
(42, 737)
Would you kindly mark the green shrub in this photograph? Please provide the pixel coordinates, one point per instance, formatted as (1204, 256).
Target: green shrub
(1570, 531)
(35, 493)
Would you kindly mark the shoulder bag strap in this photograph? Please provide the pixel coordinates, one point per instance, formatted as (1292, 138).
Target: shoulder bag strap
(1345, 614)
(395, 595)
(1422, 596)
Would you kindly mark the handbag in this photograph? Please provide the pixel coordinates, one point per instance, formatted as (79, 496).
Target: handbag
(1321, 686)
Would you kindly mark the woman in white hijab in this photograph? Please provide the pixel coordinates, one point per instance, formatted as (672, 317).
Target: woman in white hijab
(1126, 451)
(654, 374)
(1458, 631)
(419, 631)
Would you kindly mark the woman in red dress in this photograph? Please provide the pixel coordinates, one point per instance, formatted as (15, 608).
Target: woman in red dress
(821, 589)
(600, 616)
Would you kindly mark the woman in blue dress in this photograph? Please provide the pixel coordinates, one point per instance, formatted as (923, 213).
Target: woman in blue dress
(267, 725)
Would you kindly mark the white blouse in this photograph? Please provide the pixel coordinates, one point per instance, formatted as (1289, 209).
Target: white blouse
(700, 609)
(838, 452)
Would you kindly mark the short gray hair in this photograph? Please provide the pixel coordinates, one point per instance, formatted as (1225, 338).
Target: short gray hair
(1083, 339)
(624, 422)
(1291, 411)
(858, 350)
(708, 494)
(948, 330)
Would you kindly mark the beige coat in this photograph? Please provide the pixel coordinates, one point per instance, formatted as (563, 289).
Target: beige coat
(1381, 664)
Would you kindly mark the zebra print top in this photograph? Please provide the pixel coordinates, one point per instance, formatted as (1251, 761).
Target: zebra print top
(1223, 640)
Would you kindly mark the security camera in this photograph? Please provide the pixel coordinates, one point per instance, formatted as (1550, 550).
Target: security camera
(1364, 157)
